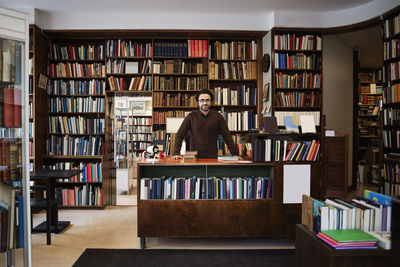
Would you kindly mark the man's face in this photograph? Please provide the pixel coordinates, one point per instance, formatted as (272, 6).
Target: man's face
(204, 102)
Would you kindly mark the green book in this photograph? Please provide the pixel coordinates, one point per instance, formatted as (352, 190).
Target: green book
(349, 235)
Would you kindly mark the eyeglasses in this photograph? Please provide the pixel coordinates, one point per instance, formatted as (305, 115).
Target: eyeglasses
(204, 100)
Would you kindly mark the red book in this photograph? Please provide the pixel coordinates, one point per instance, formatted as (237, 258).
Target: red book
(196, 48)
(205, 48)
(193, 48)
(17, 107)
(200, 50)
(8, 107)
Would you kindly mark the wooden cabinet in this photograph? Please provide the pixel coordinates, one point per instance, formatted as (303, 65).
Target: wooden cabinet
(311, 251)
(218, 217)
(336, 166)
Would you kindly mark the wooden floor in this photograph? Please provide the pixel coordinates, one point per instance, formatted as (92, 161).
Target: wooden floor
(115, 227)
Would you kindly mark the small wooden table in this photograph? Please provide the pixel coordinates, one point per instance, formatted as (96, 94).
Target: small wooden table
(312, 251)
(50, 177)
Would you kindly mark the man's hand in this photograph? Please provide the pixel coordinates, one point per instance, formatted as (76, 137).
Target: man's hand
(176, 157)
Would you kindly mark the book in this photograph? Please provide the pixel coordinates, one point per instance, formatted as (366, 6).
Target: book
(384, 238)
(350, 235)
(132, 67)
(307, 124)
(270, 125)
(289, 124)
(8, 107)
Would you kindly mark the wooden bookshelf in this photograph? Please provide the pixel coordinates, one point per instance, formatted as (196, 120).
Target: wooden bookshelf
(367, 121)
(38, 51)
(296, 73)
(76, 120)
(390, 182)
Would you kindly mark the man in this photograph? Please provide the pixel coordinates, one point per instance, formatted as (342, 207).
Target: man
(204, 126)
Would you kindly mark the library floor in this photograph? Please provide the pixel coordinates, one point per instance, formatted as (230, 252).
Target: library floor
(115, 227)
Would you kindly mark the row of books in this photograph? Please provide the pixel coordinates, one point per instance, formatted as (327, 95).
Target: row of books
(11, 223)
(74, 146)
(369, 99)
(174, 100)
(77, 70)
(10, 159)
(392, 71)
(141, 121)
(139, 83)
(304, 80)
(123, 66)
(391, 116)
(72, 87)
(240, 121)
(285, 150)
(297, 42)
(234, 50)
(297, 99)
(232, 70)
(296, 116)
(140, 129)
(10, 106)
(91, 171)
(75, 125)
(10, 61)
(391, 49)
(297, 61)
(390, 189)
(141, 136)
(139, 145)
(76, 104)
(391, 93)
(240, 95)
(206, 188)
(371, 76)
(189, 48)
(159, 117)
(391, 27)
(368, 110)
(177, 66)
(10, 132)
(125, 48)
(390, 172)
(391, 138)
(371, 212)
(85, 195)
(77, 52)
(180, 83)
(371, 88)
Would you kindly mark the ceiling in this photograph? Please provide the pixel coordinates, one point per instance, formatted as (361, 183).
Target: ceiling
(187, 6)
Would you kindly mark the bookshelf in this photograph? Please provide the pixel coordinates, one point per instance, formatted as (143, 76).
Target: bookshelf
(77, 126)
(296, 73)
(145, 63)
(38, 51)
(390, 183)
(14, 137)
(368, 116)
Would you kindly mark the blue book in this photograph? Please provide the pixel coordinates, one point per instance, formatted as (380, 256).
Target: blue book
(289, 125)
(380, 198)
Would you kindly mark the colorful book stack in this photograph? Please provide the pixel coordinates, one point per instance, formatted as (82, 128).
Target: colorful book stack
(348, 239)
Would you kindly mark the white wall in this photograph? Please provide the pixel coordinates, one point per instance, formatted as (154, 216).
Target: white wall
(338, 89)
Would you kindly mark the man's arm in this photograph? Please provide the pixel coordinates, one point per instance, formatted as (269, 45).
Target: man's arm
(224, 131)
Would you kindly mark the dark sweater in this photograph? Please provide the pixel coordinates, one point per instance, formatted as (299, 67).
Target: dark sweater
(203, 132)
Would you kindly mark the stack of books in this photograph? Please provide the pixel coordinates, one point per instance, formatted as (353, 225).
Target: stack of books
(348, 239)
(190, 155)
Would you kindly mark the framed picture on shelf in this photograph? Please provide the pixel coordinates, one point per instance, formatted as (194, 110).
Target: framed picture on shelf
(138, 107)
(120, 103)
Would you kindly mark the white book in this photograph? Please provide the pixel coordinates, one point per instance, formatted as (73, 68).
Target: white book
(143, 188)
(345, 211)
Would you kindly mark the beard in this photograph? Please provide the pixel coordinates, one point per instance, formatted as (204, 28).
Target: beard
(204, 107)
